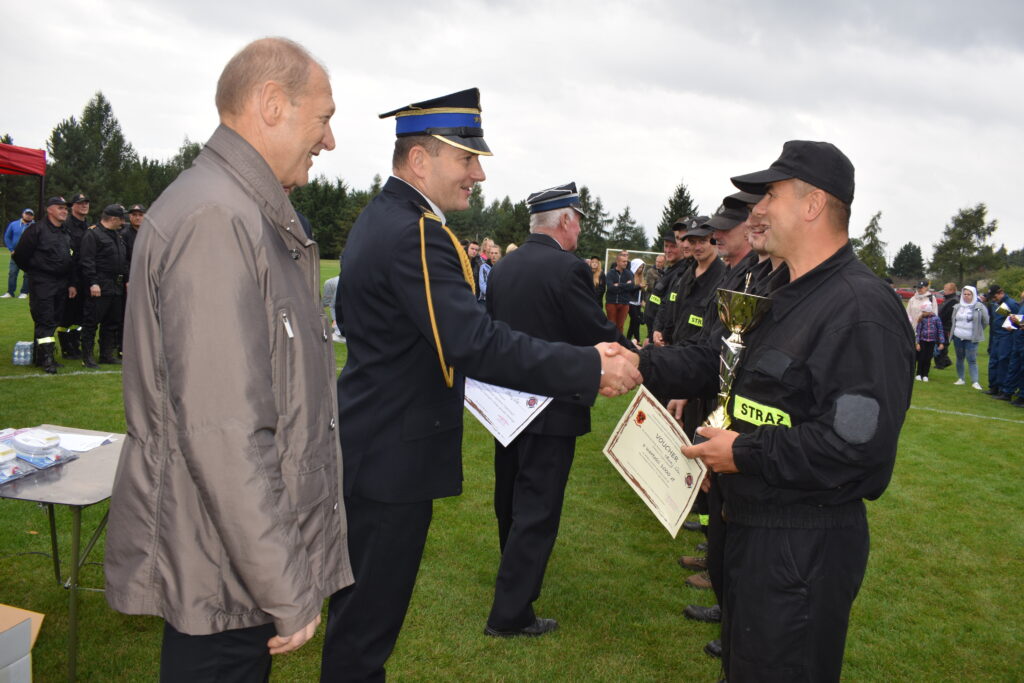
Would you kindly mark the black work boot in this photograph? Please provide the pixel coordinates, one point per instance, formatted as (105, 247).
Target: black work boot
(108, 354)
(87, 359)
(46, 352)
(69, 345)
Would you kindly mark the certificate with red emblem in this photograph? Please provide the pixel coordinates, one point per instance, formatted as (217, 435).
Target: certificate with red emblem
(505, 412)
(645, 447)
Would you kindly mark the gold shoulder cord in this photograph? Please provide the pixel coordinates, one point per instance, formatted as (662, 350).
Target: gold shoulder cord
(467, 272)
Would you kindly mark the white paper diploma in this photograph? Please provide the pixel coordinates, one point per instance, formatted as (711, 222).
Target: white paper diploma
(504, 412)
(645, 449)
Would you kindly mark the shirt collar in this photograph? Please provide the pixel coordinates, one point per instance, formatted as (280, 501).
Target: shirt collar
(433, 206)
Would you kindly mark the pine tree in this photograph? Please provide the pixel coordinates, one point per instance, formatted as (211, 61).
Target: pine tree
(908, 263)
(594, 228)
(962, 250)
(627, 233)
(91, 155)
(679, 205)
(871, 250)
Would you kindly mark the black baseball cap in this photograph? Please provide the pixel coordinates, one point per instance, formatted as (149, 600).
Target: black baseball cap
(726, 218)
(819, 163)
(669, 237)
(79, 198)
(137, 208)
(56, 201)
(741, 200)
(698, 231)
(114, 211)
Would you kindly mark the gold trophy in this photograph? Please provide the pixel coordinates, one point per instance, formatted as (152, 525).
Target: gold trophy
(741, 313)
(1004, 309)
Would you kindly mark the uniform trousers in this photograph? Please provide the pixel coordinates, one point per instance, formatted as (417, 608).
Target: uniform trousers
(236, 656)
(104, 312)
(999, 346)
(529, 487)
(385, 546)
(73, 308)
(788, 594)
(47, 304)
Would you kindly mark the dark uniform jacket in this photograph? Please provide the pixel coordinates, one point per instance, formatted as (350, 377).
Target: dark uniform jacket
(547, 293)
(692, 304)
(45, 249)
(400, 424)
(103, 260)
(660, 291)
(76, 229)
(670, 301)
(820, 396)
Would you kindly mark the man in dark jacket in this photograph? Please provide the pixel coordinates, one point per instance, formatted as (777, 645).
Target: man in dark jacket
(815, 415)
(951, 297)
(415, 330)
(544, 290)
(103, 262)
(620, 288)
(71, 323)
(45, 253)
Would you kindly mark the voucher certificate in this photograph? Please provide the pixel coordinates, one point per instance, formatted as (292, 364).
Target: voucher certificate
(645, 449)
(504, 412)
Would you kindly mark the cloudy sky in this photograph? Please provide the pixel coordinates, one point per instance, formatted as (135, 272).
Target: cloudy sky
(629, 98)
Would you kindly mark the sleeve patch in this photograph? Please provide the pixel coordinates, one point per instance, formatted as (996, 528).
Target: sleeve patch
(856, 418)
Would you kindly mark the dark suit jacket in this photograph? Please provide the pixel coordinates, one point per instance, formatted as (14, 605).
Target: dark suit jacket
(400, 425)
(549, 293)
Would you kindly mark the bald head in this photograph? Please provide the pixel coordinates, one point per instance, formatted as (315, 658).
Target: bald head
(280, 60)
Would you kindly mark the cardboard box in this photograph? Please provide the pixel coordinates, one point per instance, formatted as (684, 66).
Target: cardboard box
(19, 629)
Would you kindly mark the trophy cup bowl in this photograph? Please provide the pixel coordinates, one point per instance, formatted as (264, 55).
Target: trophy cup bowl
(740, 313)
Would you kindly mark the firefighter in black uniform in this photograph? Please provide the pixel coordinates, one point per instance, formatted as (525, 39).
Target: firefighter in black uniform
(103, 263)
(415, 330)
(816, 409)
(660, 290)
(44, 252)
(70, 331)
(130, 232)
(671, 300)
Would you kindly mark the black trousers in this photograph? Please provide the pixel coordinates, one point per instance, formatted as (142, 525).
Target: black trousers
(385, 545)
(788, 594)
(924, 358)
(73, 307)
(236, 656)
(46, 303)
(529, 487)
(104, 312)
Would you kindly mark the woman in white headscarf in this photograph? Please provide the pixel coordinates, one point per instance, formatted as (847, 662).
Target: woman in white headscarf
(970, 318)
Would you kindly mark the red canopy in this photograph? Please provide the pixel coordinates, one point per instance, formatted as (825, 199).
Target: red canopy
(16, 160)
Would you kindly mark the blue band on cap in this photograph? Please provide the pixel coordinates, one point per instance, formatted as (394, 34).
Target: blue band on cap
(552, 204)
(418, 123)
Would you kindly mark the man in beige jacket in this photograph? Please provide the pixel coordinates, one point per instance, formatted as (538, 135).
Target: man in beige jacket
(225, 518)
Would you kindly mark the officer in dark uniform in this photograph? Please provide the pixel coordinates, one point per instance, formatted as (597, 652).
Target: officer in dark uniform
(130, 232)
(70, 331)
(415, 331)
(103, 262)
(44, 252)
(816, 412)
(546, 291)
(673, 263)
(668, 311)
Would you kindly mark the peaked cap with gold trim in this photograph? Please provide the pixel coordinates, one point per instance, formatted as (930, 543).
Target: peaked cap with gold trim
(453, 119)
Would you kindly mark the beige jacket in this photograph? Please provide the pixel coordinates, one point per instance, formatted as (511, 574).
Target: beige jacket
(226, 510)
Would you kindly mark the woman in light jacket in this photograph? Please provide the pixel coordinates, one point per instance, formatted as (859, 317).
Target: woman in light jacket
(970, 318)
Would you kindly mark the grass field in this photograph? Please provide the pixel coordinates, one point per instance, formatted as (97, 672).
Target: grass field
(941, 599)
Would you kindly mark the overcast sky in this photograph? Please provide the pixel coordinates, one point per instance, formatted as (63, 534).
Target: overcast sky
(629, 98)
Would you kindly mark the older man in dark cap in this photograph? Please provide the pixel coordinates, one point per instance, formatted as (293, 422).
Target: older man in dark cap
(70, 331)
(546, 291)
(814, 418)
(415, 331)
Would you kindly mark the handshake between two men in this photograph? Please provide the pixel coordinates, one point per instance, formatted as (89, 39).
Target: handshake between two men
(619, 369)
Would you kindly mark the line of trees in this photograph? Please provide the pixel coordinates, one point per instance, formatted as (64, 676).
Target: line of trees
(963, 255)
(90, 154)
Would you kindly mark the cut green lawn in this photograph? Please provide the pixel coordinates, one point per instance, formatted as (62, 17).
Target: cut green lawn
(940, 600)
